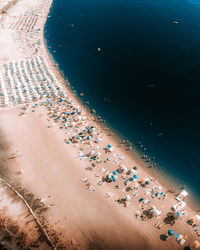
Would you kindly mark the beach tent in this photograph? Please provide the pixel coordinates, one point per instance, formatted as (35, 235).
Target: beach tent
(171, 232)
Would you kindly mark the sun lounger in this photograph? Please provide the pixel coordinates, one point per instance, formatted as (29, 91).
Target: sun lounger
(135, 193)
(182, 242)
(181, 196)
(179, 206)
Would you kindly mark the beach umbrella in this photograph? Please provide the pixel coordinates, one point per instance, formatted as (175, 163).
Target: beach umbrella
(131, 179)
(171, 232)
(147, 182)
(135, 176)
(172, 216)
(114, 177)
(179, 214)
(123, 168)
(109, 176)
(115, 172)
(135, 168)
(128, 197)
(109, 146)
(126, 181)
(196, 244)
(135, 184)
(187, 247)
(143, 180)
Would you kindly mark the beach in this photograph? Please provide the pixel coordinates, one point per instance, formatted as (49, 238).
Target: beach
(90, 193)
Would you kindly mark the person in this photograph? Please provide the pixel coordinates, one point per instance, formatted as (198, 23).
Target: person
(166, 236)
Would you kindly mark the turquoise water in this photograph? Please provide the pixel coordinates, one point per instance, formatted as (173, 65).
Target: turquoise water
(145, 81)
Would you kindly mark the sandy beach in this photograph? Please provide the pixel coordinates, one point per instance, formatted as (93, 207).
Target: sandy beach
(84, 189)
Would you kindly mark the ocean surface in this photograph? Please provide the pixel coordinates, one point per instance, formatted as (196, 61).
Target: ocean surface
(145, 80)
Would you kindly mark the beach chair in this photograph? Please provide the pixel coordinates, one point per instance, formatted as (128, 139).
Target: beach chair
(134, 193)
(182, 242)
(179, 238)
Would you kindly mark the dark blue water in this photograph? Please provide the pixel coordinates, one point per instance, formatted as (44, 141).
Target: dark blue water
(148, 67)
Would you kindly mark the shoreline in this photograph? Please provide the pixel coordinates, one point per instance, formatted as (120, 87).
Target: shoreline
(41, 176)
(118, 137)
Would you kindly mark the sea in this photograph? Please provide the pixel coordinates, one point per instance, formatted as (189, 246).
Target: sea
(138, 64)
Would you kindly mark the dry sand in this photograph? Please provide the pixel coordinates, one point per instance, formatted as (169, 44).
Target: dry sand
(48, 169)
